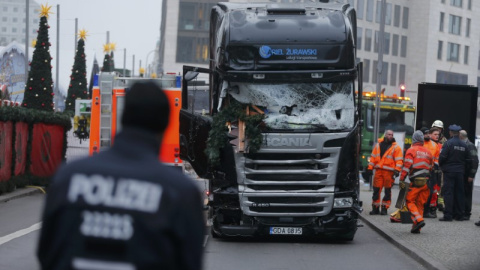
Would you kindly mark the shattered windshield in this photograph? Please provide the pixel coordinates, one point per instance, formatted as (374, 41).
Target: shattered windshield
(318, 106)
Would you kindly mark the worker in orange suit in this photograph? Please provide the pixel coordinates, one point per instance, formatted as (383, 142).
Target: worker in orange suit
(430, 210)
(417, 165)
(387, 160)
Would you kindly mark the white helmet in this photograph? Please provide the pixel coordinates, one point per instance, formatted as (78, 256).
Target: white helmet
(437, 123)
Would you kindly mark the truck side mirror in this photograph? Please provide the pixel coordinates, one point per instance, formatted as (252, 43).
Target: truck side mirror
(190, 75)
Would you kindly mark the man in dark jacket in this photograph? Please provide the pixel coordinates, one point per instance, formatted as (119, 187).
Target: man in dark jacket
(123, 209)
(453, 158)
(470, 171)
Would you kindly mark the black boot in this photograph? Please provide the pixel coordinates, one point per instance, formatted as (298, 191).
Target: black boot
(384, 211)
(430, 212)
(375, 210)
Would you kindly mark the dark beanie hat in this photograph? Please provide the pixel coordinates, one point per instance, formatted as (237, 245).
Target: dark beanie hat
(146, 107)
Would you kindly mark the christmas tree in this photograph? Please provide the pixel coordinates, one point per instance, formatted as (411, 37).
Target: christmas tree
(107, 65)
(78, 80)
(112, 61)
(38, 91)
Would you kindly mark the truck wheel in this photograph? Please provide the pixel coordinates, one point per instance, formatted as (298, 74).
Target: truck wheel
(347, 236)
(214, 234)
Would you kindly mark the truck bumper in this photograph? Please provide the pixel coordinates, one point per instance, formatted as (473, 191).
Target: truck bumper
(338, 223)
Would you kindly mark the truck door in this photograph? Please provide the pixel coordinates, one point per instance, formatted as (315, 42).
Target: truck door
(195, 118)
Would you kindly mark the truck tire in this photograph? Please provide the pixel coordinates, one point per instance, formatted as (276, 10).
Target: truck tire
(214, 234)
(347, 236)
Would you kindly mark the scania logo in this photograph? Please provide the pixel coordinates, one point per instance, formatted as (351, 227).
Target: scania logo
(299, 142)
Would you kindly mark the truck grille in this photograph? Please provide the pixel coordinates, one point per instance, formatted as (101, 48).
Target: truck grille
(287, 184)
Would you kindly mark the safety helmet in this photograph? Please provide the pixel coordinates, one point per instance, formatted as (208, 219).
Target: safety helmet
(437, 123)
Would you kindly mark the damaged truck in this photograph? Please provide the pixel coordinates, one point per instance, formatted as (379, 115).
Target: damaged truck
(274, 122)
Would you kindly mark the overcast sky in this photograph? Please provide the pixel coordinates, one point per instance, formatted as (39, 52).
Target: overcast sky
(134, 25)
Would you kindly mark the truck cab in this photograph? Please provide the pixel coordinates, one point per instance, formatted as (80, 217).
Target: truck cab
(277, 135)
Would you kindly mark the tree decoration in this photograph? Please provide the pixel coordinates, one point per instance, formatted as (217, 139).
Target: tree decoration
(107, 65)
(79, 68)
(40, 73)
(217, 136)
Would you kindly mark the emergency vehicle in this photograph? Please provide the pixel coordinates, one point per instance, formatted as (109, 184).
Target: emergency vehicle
(107, 107)
(396, 113)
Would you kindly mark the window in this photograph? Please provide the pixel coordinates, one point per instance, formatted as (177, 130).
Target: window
(396, 16)
(359, 37)
(366, 69)
(385, 73)
(374, 71)
(4, 29)
(442, 21)
(23, 30)
(403, 47)
(453, 50)
(469, 4)
(405, 18)
(401, 75)
(187, 16)
(375, 44)
(456, 3)
(5, 9)
(454, 24)
(395, 45)
(388, 13)
(23, 20)
(192, 49)
(440, 50)
(14, 19)
(360, 9)
(15, 9)
(368, 40)
(467, 28)
(393, 75)
(386, 43)
(4, 19)
(14, 30)
(370, 10)
(465, 55)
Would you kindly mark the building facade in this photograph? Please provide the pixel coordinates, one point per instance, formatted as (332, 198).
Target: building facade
(12, 21)
(424, 41)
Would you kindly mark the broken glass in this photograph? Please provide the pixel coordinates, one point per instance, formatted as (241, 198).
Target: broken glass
(318, 106)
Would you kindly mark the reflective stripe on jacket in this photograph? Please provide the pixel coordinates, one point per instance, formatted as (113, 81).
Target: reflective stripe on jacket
(434, 149)
(392, 160)
(418, 161)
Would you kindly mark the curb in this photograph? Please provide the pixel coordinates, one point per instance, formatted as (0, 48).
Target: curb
(413, 252)
(19, 193)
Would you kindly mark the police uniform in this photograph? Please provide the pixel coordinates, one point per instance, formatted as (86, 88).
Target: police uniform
(470, 172)
(122, 209)
(452, 160)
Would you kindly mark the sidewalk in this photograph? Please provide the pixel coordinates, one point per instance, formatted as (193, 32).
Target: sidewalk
(440, 245)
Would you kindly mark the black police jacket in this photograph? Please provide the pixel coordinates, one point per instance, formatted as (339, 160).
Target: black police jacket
(454, 155)
(122, 209)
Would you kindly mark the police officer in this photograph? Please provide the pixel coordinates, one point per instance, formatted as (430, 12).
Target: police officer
(470, 171)
(122, 208)
(453, 158)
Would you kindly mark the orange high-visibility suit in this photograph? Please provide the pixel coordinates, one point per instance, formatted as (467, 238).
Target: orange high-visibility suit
(433, 186)
(417, 164)
(385, 167)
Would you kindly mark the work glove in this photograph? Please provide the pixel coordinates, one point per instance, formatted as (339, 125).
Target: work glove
(396, 174)
(402, 184)
(368, 173)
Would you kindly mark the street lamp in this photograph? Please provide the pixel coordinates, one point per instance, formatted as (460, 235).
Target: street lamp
(147, 72)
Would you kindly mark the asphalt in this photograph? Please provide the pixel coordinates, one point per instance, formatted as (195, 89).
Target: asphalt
(440, 245)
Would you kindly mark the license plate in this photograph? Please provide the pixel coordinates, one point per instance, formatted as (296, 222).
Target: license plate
(286, 230)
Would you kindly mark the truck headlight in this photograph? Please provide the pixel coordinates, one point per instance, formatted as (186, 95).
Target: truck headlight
(343, 202)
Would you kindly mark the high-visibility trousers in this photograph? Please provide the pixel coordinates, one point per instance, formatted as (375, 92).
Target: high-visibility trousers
(382, 179)
(416, 199)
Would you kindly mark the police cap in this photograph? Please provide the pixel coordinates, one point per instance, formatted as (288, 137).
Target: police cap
(454, 128)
